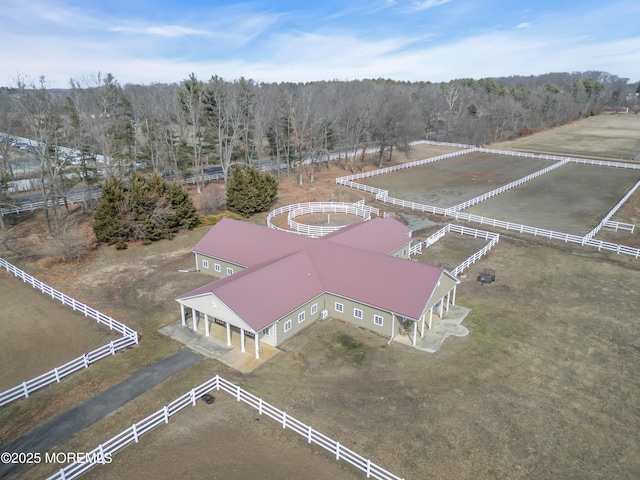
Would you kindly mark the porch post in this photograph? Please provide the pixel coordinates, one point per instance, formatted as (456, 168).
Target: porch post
(441, 306)
(206, 324)
(183, 315)
(242, 340)
(453, 300)
(194, 316)
(415, 333)
(430, 317)
(256, 340)
(448, 297)
(422, 327)
(228, 333)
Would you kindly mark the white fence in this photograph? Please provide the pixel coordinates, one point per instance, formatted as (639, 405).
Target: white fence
(504, 188)
(586, 240)
(622, 201)
(132, 434)
(358, 208)
(493, 239)
(629, 227)
(129, 337)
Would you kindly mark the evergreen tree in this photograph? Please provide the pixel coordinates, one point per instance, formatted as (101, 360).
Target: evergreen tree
(146, 209)
(107, 221)
(250, 191)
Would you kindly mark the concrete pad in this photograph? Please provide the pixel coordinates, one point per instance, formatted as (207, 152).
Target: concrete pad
(441, 329)
(215, 345)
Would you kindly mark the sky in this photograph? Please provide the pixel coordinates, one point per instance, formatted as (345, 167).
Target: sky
(148, 41)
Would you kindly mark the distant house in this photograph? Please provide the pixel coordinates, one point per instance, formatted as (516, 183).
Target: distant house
(273, 283)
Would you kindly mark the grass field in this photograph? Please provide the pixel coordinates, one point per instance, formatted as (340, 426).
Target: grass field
(610, 136)
(40, 332)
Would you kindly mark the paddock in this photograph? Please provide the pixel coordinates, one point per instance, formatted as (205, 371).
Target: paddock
(571, 199)
(455, 180)
(40, 332)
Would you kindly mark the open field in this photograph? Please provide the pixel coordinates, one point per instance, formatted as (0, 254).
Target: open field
(571, 199)
(545, 386)
(455, 180)
(40, 332)
(611, 136)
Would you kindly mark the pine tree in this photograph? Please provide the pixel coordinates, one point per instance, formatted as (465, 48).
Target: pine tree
(107, 221)
(146, 209)
(250, 191)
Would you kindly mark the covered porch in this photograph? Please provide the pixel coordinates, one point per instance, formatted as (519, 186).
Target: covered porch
(415, 330)
(232, 331)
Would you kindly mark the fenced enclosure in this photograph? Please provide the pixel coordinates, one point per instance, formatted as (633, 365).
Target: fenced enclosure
(132, 434)
(129, 337)
(491, 237)
(358, 209)
(454, 211)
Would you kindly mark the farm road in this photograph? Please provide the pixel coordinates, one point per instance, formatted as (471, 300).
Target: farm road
(61, 428)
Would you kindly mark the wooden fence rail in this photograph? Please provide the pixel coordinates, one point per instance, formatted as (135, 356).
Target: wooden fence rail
(129, 337)
(135, 431)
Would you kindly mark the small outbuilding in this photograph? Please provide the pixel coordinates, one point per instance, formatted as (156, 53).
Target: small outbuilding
(272, 284)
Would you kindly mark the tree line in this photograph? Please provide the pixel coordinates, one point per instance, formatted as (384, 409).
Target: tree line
(108, 129)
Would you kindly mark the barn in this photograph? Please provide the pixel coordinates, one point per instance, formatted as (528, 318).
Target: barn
(272, 284)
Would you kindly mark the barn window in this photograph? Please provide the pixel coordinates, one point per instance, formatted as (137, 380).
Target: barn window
(217, 267)
(339, 307)
(229, 271)
(287, 325)
(205, 264)
(314, 308)
(378, 320)
(265, 331)
(301, 317)
(357, 313)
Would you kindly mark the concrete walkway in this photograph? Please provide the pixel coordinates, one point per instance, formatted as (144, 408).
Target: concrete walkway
(63, 427)
(441, 329)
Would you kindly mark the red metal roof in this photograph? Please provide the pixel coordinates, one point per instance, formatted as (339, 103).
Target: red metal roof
(285, 270)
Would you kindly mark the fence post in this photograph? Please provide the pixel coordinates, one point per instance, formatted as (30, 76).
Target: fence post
(337, 450)
(284, 419)
(135, 432)
(166, 414)
(25, 389)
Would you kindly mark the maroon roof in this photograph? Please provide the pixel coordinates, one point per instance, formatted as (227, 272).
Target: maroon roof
(285, 270)
(382, 235)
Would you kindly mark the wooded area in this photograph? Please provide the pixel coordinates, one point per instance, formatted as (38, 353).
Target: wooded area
(99, 128)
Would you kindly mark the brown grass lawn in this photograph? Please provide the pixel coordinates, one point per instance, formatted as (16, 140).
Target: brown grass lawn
(610, 136)
(545, 386)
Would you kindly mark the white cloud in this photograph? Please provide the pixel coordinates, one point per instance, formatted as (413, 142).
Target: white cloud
(426, 4)
(524, 25)
(161, 31)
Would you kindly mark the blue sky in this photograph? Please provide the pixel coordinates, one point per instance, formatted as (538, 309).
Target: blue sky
(145, 41)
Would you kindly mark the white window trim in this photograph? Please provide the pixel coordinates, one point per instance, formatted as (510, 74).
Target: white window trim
(314, 308)
(378, 320)
(357, 313)
(301, 316)
(229, 271)
(287, 325)
(217, 267)
(205, 263)
(339, 307)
